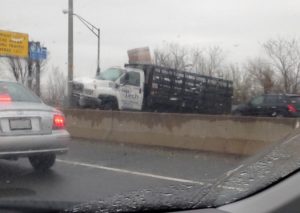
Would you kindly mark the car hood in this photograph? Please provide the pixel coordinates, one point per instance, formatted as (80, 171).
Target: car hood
(92, 83)
(84, 80)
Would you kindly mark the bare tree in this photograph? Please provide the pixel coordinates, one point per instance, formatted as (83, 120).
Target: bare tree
(161, 58)
(24, 70)
(198, 61)
(18, 68)
(244, 86)
(262, 73)
(214, 61)
(55, 89)
(4, 74)
(285, 58)
(208, 61)
(173, 56)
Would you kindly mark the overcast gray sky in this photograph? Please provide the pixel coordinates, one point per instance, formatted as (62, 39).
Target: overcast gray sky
(238, 26)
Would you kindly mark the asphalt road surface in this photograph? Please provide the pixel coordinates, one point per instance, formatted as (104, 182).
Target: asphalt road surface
(94, 170)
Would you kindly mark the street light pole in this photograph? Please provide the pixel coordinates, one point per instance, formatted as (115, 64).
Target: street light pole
(70, 52)
(93, 29)
(98, 55)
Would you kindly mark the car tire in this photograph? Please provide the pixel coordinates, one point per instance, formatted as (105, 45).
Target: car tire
(42, 162)
(279, 115)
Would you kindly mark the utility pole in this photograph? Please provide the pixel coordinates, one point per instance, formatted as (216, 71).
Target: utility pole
(38, 78)
(95, 30)
(70, 52)
(36, 55)
(98, 55)
(30, 73)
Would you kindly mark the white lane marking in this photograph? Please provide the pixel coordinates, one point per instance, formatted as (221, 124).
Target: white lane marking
(95, 166)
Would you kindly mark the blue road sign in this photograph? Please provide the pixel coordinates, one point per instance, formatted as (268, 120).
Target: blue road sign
(36, 52)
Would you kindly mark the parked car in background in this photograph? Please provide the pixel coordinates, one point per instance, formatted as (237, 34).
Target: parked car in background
(29, 128)
(271, 105)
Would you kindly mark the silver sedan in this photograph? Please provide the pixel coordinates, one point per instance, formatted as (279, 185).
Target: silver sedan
(29, 128)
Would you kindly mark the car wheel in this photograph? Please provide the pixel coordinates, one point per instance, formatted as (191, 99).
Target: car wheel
(277, 115)
(42, 162)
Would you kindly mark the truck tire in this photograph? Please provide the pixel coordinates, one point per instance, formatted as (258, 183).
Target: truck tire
(42, 162)
(111, 105)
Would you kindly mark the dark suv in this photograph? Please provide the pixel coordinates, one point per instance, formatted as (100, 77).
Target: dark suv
(271, 105)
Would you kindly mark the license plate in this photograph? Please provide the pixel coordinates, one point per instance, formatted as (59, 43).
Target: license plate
(20, 124)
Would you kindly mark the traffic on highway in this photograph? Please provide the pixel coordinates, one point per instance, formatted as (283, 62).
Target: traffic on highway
(142, 106)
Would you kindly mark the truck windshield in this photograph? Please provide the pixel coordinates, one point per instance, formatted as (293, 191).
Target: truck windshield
(110, 74)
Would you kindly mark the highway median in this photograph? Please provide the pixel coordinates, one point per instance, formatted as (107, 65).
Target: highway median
(215, 133)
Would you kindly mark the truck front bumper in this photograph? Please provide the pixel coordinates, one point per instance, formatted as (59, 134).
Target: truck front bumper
(86, 101)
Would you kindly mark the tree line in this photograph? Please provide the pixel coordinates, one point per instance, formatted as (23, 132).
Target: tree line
(24, 71)
(276, 71)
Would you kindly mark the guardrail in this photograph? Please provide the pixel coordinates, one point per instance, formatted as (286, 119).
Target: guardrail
(224, 134)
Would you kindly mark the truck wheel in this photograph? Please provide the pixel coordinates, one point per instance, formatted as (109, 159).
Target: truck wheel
(42, 162)
(111, 105)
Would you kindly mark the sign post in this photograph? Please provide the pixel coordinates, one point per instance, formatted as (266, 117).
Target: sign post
(37, 53)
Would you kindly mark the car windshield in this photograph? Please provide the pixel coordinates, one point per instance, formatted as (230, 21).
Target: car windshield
(111, 74)
(140, 105)
(13, 92)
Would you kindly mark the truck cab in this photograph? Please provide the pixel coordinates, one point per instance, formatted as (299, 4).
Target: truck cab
(115, 88)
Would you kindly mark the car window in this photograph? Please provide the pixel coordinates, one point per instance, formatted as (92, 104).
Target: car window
(257, 101)
(271, 99)
(134, 78)
(282, 99)
(13, 92)
(295, 100)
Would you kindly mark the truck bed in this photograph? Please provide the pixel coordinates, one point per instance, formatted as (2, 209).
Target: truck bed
(173, 90)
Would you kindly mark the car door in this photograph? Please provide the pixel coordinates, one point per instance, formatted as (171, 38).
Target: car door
(256, 106)
(270, 106)
(131, 90)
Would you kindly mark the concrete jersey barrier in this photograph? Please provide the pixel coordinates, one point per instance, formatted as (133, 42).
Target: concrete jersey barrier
(223, 134)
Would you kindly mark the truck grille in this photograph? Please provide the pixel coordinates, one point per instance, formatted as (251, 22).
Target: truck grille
(77, 87)
(88, 91)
